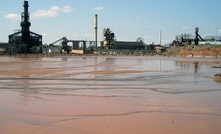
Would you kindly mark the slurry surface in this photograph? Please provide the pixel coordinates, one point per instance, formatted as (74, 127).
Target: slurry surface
(109, 95)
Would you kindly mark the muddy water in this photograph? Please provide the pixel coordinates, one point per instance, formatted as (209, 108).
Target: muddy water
(109, 95)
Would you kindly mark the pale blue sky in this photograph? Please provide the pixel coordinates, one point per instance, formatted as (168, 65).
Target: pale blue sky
(129, 19)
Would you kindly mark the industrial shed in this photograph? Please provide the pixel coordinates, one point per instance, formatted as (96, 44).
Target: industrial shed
(3, 47)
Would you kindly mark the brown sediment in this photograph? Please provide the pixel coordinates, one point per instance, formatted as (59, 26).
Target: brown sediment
(217, 77)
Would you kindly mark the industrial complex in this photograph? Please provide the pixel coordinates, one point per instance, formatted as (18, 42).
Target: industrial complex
(25, 41)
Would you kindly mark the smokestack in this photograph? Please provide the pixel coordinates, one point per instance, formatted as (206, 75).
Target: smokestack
(220, 36)
(160, 37)
(25, 23)
(95, 30)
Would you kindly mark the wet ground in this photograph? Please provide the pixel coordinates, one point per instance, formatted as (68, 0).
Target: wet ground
(109, 95)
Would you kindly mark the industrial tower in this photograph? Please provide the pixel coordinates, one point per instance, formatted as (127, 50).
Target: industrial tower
(25, 41)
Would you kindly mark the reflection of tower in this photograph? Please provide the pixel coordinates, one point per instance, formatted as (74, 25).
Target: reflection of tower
(25, 92)
(25, 24)
(196, 66)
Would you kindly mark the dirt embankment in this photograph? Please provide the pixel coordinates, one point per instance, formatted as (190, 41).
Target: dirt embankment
(202, 51)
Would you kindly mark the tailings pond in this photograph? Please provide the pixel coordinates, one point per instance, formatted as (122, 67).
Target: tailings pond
(109, 95)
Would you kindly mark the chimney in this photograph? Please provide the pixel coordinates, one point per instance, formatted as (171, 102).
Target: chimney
(95, 30)
(160, 37)
(25, 23)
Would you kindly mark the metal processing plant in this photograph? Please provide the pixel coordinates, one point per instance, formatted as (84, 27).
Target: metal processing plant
(25, 41)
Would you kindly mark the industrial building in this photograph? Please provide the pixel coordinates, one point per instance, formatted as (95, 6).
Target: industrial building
(76, 46)
(188, 39)
(3, 47)
(25, 41)
(125, 45)
(129, 45)
(109, 42)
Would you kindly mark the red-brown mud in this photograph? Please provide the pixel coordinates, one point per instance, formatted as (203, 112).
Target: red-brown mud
(109, 95)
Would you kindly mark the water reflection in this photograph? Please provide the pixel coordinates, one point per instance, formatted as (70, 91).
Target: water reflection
(182, 65)
(196, 66)
(139, 61)
(109, 60)
(25, 91)
(95, 69)
(108, 63)
(64, 59)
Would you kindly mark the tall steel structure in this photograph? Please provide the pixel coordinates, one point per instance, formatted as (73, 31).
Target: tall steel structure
(25, 41)
(25, 24)
(197, 36)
